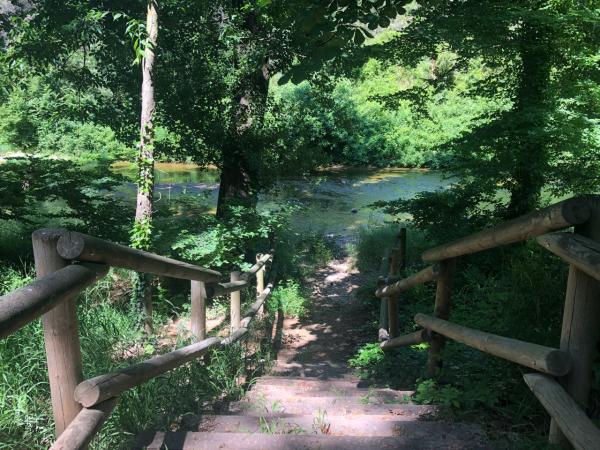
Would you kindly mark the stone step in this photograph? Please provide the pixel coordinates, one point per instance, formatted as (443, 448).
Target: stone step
(448, 440)
(362, 396)
(331, 405)
(310, 382)
(353, 425)
(388, 395)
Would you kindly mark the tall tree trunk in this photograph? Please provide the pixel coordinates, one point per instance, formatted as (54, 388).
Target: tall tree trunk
(143, 212)
(530, 138)
(239, 169)
(241, 154)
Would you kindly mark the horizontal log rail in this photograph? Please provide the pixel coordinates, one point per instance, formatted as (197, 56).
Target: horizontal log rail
(217, 289)
(428, 274)
(545, 359)
(580, 251)
(95, 390)
(561, 215)
(255, 307)
(414, 338)
(84, 427)
(81, 247)
(28, 303)
(260, 263)
(572, 420)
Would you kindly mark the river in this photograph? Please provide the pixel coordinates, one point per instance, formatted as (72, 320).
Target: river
(334, 201)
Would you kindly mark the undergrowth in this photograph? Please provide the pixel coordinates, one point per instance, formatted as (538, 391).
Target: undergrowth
(515, 291)
(110, 339)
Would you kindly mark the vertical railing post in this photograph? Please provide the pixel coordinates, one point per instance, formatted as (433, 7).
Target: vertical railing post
(235, 304)
(383, 334)
(393, 299)
(580, 326)
(147, 306)
(442, 310)
(198, 314)
(402, 238)
(260, 285)
(61, 336)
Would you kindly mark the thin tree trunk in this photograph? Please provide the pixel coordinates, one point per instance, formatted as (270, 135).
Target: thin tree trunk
(145, 160)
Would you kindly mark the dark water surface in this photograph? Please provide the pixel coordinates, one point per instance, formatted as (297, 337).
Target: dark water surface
(327, 200)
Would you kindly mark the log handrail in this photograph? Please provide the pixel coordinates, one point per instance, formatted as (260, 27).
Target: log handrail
(428, 274)
(578, 250)
(538, 357)
(581, 318)
(81, 247)
(574, 423)
(68, 262)
(26, 304)
(561, 215)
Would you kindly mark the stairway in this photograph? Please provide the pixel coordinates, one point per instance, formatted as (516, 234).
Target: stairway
(293, 413)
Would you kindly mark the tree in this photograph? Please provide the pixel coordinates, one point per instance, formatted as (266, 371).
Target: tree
(539, 53)
(145, 159)
(142, 228)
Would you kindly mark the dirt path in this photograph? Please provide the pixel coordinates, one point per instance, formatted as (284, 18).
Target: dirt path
(320, 344)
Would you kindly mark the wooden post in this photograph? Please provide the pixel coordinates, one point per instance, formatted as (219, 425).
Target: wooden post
(61, 337)
(198, 314)
(393, 299)
(383, 334)
(441, 310)
(260, 286)
(581, 325)
(147, 295)
(235, 304)
(402, 239)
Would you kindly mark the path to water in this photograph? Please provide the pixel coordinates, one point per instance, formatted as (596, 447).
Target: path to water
(332, 202)
(320, 344)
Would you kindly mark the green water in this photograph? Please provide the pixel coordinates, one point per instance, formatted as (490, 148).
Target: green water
(326, 200)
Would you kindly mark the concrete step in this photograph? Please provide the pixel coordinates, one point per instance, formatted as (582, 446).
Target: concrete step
(335, 406)
(248, 441)
(353, 425)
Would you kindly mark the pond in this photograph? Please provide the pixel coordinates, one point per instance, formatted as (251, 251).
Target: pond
(334, 201)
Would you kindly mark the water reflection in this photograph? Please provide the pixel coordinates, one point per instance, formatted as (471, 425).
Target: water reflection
(333, 202)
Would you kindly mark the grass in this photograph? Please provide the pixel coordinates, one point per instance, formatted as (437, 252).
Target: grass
(289, 298)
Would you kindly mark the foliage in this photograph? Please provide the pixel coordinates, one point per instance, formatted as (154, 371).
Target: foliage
(228, 244)
(373, 245)
(367, 359)
(38, 192)
(363, 119)
(429, 392)
(289, 298)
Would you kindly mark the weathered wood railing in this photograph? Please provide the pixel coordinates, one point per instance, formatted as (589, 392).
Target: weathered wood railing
(564, 385)
(68, 262)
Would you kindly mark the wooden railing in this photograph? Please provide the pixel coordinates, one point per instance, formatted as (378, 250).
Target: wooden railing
(68, 262)
(564, 384)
